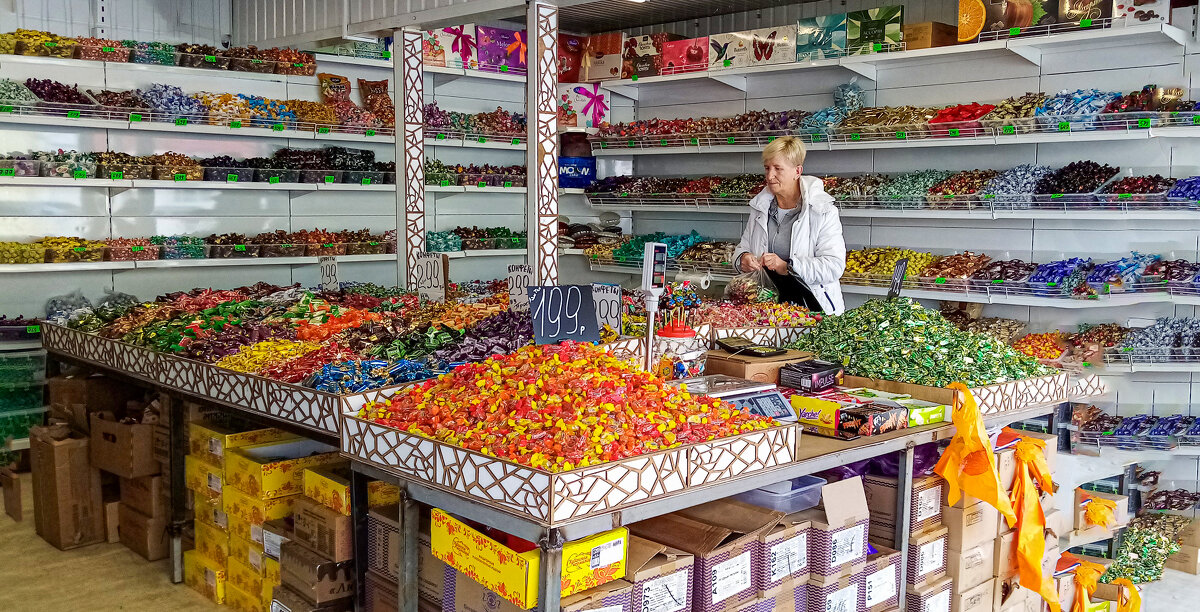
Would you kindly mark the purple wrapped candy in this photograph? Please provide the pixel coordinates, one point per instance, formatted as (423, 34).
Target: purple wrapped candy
(497, 335)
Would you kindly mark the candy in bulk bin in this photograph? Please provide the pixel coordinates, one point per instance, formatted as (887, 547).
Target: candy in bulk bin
(1073, 110)
(249, 59)
(960, 189)
(179, 247)
(910, 190)
(124, 100)
(911, 120)
(265, 112)
(1061, 278)
(291, 61)
(8, 43)
(223, 107)
(953, 270)
(1014, 188)
(15, 94)
(171, 166)
(1014, 115)
(227, 169)
(1047, 346)
(856, 188)
(962, 117)
(101, 49)
(316, 114)
(201, 56)
(66, 164)
(172, 103)
(21, 253)
(1121, 275)
(59, 98)
(1151, 188)
(45, 44)
(21, 165)
(1074, 182)
(131, 249)
(159, 53)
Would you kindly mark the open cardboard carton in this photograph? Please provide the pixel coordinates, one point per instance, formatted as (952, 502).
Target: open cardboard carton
(660, 574)
(838, 538)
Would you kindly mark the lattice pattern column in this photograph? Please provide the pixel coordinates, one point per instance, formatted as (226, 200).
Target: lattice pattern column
(410, 151)
(541, 93)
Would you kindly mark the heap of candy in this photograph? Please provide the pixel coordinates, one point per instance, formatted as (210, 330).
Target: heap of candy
(557, 408)
(902, 341)
(1145, 546)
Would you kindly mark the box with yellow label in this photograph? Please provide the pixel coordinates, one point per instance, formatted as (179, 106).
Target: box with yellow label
(210, 442)
(243, 576)
(245, 551)
(816, 411)
(254, 510)
(206, 481)
(329, 485)
(211, 542)
(243, 601)
(275, 469)
(586, 563)
(241, 528)
(204, 576)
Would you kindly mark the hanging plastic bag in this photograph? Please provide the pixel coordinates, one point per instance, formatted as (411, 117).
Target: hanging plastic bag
(1098, 512)
(1031, 519)
(753, 287)
(60, 307)
(1131, 599)
(969, 463)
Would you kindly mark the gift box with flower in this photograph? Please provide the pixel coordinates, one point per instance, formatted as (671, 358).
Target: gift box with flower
(587, 101)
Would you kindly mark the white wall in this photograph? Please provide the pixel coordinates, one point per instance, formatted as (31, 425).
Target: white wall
(199, 21)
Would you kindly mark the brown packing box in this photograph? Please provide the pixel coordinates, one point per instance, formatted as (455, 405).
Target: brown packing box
(970, 526)
(1008, 594)
(1058, 522)
(11, 482)
(927, 554)
(144, 535)
(316, 578)
(925, 505)
(1113, 592)
(928, 34)
(761, 369)
(935, 596)
(78, 396)
(1121, 513)
(846, 592)
(124, 450)
(974, 599)
(285, 599)
(723, 536)
(381, 594)
(1006, 470)
(838, 538)
(881, 580)
(112, 521)
(973, 566)
(1191, 534)
(68, 507)
(145, 494)
(323, 530)
(606, 597)
(275, 533)
(1004, 555)
(431, 571)
(782, 553)
(661, 575)
(1186, 560)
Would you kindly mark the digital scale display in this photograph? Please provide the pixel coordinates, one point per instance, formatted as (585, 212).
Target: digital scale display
(654, 271)
(762, 399)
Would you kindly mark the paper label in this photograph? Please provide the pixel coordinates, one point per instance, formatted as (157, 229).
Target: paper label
(608, 553)
(845, 600)
(931, 557)
(847, 545)
(214, 483)
(730, 578)
(271, 544)
(278, 607)
(210, 577)
(666, 594)
(215, 447)
(255, 559)
(256, 533)
(973, 559)
(881, 586)
(929, 503)
(938, 603)
(220, 519)
(616, 608)
(788, 557)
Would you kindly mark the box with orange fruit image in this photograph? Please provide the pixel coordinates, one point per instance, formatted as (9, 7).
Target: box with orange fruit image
(1007, 18)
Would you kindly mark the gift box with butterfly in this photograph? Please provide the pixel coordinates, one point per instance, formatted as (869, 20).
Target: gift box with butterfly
(452, 47)
(501, 50)
(773, 45)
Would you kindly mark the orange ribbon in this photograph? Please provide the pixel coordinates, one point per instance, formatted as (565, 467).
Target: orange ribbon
(969, 463)
(518, 44)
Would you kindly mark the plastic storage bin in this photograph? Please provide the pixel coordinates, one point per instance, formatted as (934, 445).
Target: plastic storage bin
(788, 496)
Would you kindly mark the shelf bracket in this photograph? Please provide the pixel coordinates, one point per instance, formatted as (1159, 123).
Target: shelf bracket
(625, 91)
(1033, 55)
(863, 69)
(735, 81)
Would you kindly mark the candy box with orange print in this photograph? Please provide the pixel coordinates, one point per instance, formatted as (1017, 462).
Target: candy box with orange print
(586, 563)
(245, 551)
(210, 442)
(275, 469)
(243, 576)
(206, 481)
(241, 528)
(243, 601)
(204, 576)
(257, 511)
(329, 485)
(211, 542)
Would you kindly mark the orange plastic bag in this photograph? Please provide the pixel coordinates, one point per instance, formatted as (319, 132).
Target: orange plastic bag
(1099, 512)
(1131, 599)
(1087, 575)
(1031, 520)
(969, 463)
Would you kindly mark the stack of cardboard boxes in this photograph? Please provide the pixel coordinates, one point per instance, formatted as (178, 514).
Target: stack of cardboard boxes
(1188, 557)
(926, 582)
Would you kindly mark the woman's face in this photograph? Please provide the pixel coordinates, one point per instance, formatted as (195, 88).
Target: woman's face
(781, 174)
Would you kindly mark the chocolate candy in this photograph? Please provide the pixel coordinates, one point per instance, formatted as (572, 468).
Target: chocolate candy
(1140, 184)
(909, 189)
(966, 182)
(1011, 270)
(961, 265)
(52, 91)
(102, 49)
(1076, 177)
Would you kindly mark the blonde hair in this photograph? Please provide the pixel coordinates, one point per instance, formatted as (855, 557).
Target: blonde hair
(788, 147)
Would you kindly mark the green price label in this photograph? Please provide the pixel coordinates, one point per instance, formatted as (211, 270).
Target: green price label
(180, 176)
(504, 69)
(695, 141)
(1014, 31)
(1055, 196)
(239, 247)
(481, 184)
(297, 65)
(33, 329)
(634, 77)
(662, 142)
(1144, 123)
(624, 194)
(630, 144)
(370, 132)
(989, 196)
(137, 249)
(256, 61)
(954, 132)
(51, 44)
(728, 63)
(135, 117)
(373, 243)
(939, 280)
(116, 176)
(855, 137)
(73, 114)
(1064, 126)
(816, 138)
(327, 245)
(79, 249)
(508, 183)
(79, 174)
(1051, 284)
(8, 172)
(180, 121)
(1124, 196)
(366, 181)
(235, 124)
(210, 58)
(731, 140)
(322, 130)
(482, 139)
(440, 137)
(947, 196)
(328, 178)
(278, 127)
(1195, 119)
(516, 141)
(6, 109)
(286, 246)
(1009, 129)
(107, 49)
(444, 184)
(877, 47)
(387, 55)
(901, 135)
(770, 139)
(1085, 23)
(273, 180)
(231, 178)
(998, 281)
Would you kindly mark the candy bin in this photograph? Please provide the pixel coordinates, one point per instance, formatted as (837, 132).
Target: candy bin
(44, 44)
(201, 56)
(1140, 189)
(1121, 275)
(1076, 183)
(101, 49)
(159, 53)
(679, 352)
(1014, 115)
(1060, 278)
(1185, 193)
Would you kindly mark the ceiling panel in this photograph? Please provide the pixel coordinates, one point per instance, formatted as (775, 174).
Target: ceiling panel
(609, 15)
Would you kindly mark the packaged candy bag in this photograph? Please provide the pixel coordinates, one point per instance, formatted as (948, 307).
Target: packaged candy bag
(754, 287)
(376, 99)
(334, 88)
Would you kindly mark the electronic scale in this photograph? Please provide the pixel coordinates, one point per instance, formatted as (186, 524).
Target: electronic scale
(762, 399)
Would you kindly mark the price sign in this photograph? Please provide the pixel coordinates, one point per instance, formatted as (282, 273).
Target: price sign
(8, 171)
(855, 136)
(7, 108)
(179, 176)
(504, 69)
(370, 132)
(516, 141)
(696, 141)
(278, 127)
(1014, 31)
(1064, 126)
(135, 117)
(563, 312)
(430, 275)
(877, 47)
(33, 329)
(366, 180)
(731, 140)
(1195, 119)
(520, 277)
(1143, 123)
(329, 273)
(322, 130)
(386, 55)
(180, 121)
(328, 178)
(116, 176)
(231, 178)
(634, 77)
(662, 142)
(274, 180)
(106, 49)
(235, 124)
(898, 278)
(79, 174)
(73, 114)
(1085, 23)
(608, 306)
(210, 58)
(728, 63)
(901, 135)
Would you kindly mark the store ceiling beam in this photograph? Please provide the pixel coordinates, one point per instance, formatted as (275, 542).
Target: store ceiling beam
(469, 11)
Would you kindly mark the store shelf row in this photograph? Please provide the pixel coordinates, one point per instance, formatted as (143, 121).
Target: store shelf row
(88, 266)
(119, 185)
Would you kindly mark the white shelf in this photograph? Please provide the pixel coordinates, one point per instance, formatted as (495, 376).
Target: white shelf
(50, 181)
(1169, 367)
(578, 130)
(85, 266)
(571, 191)
(252, 186)
(17, 444)
(354, 187)
(496, 253)
(183, 263)
(476, 74)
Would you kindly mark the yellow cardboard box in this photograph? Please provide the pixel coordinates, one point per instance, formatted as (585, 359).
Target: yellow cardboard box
(275, 469)
(206, 481)
(586, 563)
(243, 576)
(209, 441)
(329, 485)
(212, 543)
(204, 576)
(254, 510)
(210, 512)
(271, 574)
(242, 601)
(241, 528)
(245, 551)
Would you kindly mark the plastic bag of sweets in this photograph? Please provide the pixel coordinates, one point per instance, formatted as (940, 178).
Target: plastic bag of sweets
(376, 99)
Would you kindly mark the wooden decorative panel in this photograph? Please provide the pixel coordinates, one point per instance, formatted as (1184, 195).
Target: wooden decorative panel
(542, 159)
(413, 163)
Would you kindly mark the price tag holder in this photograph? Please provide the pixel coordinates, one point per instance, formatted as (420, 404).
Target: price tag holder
(322, 130)
(1144, 123)
(429, 273)
(901, 135)
(1064, 126)
(954, 133)
(8, 171)
(609, 312)
(74, 114)
(329, 273)
(235, 124)
(898, 278)
(33, 329)
(563, 312)
(135, 117)
(181, 121)
(520, 277)
(116, 176)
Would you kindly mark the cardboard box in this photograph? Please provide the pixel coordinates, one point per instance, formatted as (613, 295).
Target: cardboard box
(1065, 585)
(329, 485)
(124, 450)
(586, 563)
(451, 47)
(1186, 560)
(970, 526)
(68, 507)
(881, 580)
(499, 50)
(144, 535)
(275, 533)
(838, 539)
(257, 511)
(79, 396)
(925, 507)
(975, 599)
(287, 600)
(847, 592)
(246, 552)
(1007, 593)
(243, 576)
(462, 594)
(275, 469)
(322, 530)
(642, 54)
(927, 556)
(611, 597)
(1004, 554)
(729, 50)
(1050, 449)
(929, 34)
(112, 521)
(243, 601)
(204, 576)
(812, 375)
(272, 573)
(381, 594)
(211, 513)
(872, 419)
(821, 37)
(782, 554)
(688, 55)
(314, 577)
(973, 566)
(1112, 592)
(931, 597)
(775, 45)
(210, 442)
(661, 576)
(206, 481)
(212, 542)
(921, 412)
(603, 61)
(883, 25)
(11, 482)
(1058, 522)
(762, 369)
(1190, 535)
(145, 494)
(241, 528)
(1121, 513)
(789, 596)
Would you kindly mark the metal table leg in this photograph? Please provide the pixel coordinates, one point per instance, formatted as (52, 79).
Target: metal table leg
(550, 587)
(410, 526)
(358, 518)
(904, 490)
(178, 448)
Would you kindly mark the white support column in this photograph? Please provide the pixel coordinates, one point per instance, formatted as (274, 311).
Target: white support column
(541, 92)
(410, 154)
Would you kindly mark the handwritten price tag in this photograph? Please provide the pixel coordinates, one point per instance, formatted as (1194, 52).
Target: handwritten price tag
(520, 277)
(429, 273)
(563, 312)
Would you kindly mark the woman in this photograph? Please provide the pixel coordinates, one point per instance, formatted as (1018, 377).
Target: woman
(794, 232)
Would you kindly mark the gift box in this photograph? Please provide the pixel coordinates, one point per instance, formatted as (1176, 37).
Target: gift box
(570, 57)
(582, 105)
(688, 55)
(642, 55)
(773, 45)
(1138, 13)
(500, 50)
(452, 47)
(821, 37)
(1001, 16)
(729, 50)
(1072, 12)
(602, 57)
(883, 25)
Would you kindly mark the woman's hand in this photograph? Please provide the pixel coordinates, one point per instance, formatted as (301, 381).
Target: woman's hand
(774, 263)
(749, 263)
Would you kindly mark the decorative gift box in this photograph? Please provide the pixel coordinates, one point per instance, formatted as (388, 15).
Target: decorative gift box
(642, 55)
(602, 57)
(883, 25)
(821, 37)
(501, 50)
(570, 57)
(582, 105)
(452, 47)
(729, 50)
(773, 45)
(688, 55)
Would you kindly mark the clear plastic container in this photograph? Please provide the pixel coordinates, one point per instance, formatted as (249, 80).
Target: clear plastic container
(229, 175)
(76, 254)
(493, 180)
(958, 129)
(190, 248)
(102, 54)
(1067, 123)
(22, 368)
(77, 169)
(19, 167)
(212, 62)
(232, 251)
(15, 424)
(788, 496)
(440, 179)
(21, 253)
(1010, 126)
(282, 250)
(20, 333)
(324, 249)
(21, 398)
(296, 68)
(133, 253)
(321, 176)
(1132, 120)
(276, 175)
(46, 49)
(374, 247)
(244, 64)
(178, 173)
(364, 177)
(124, 171)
